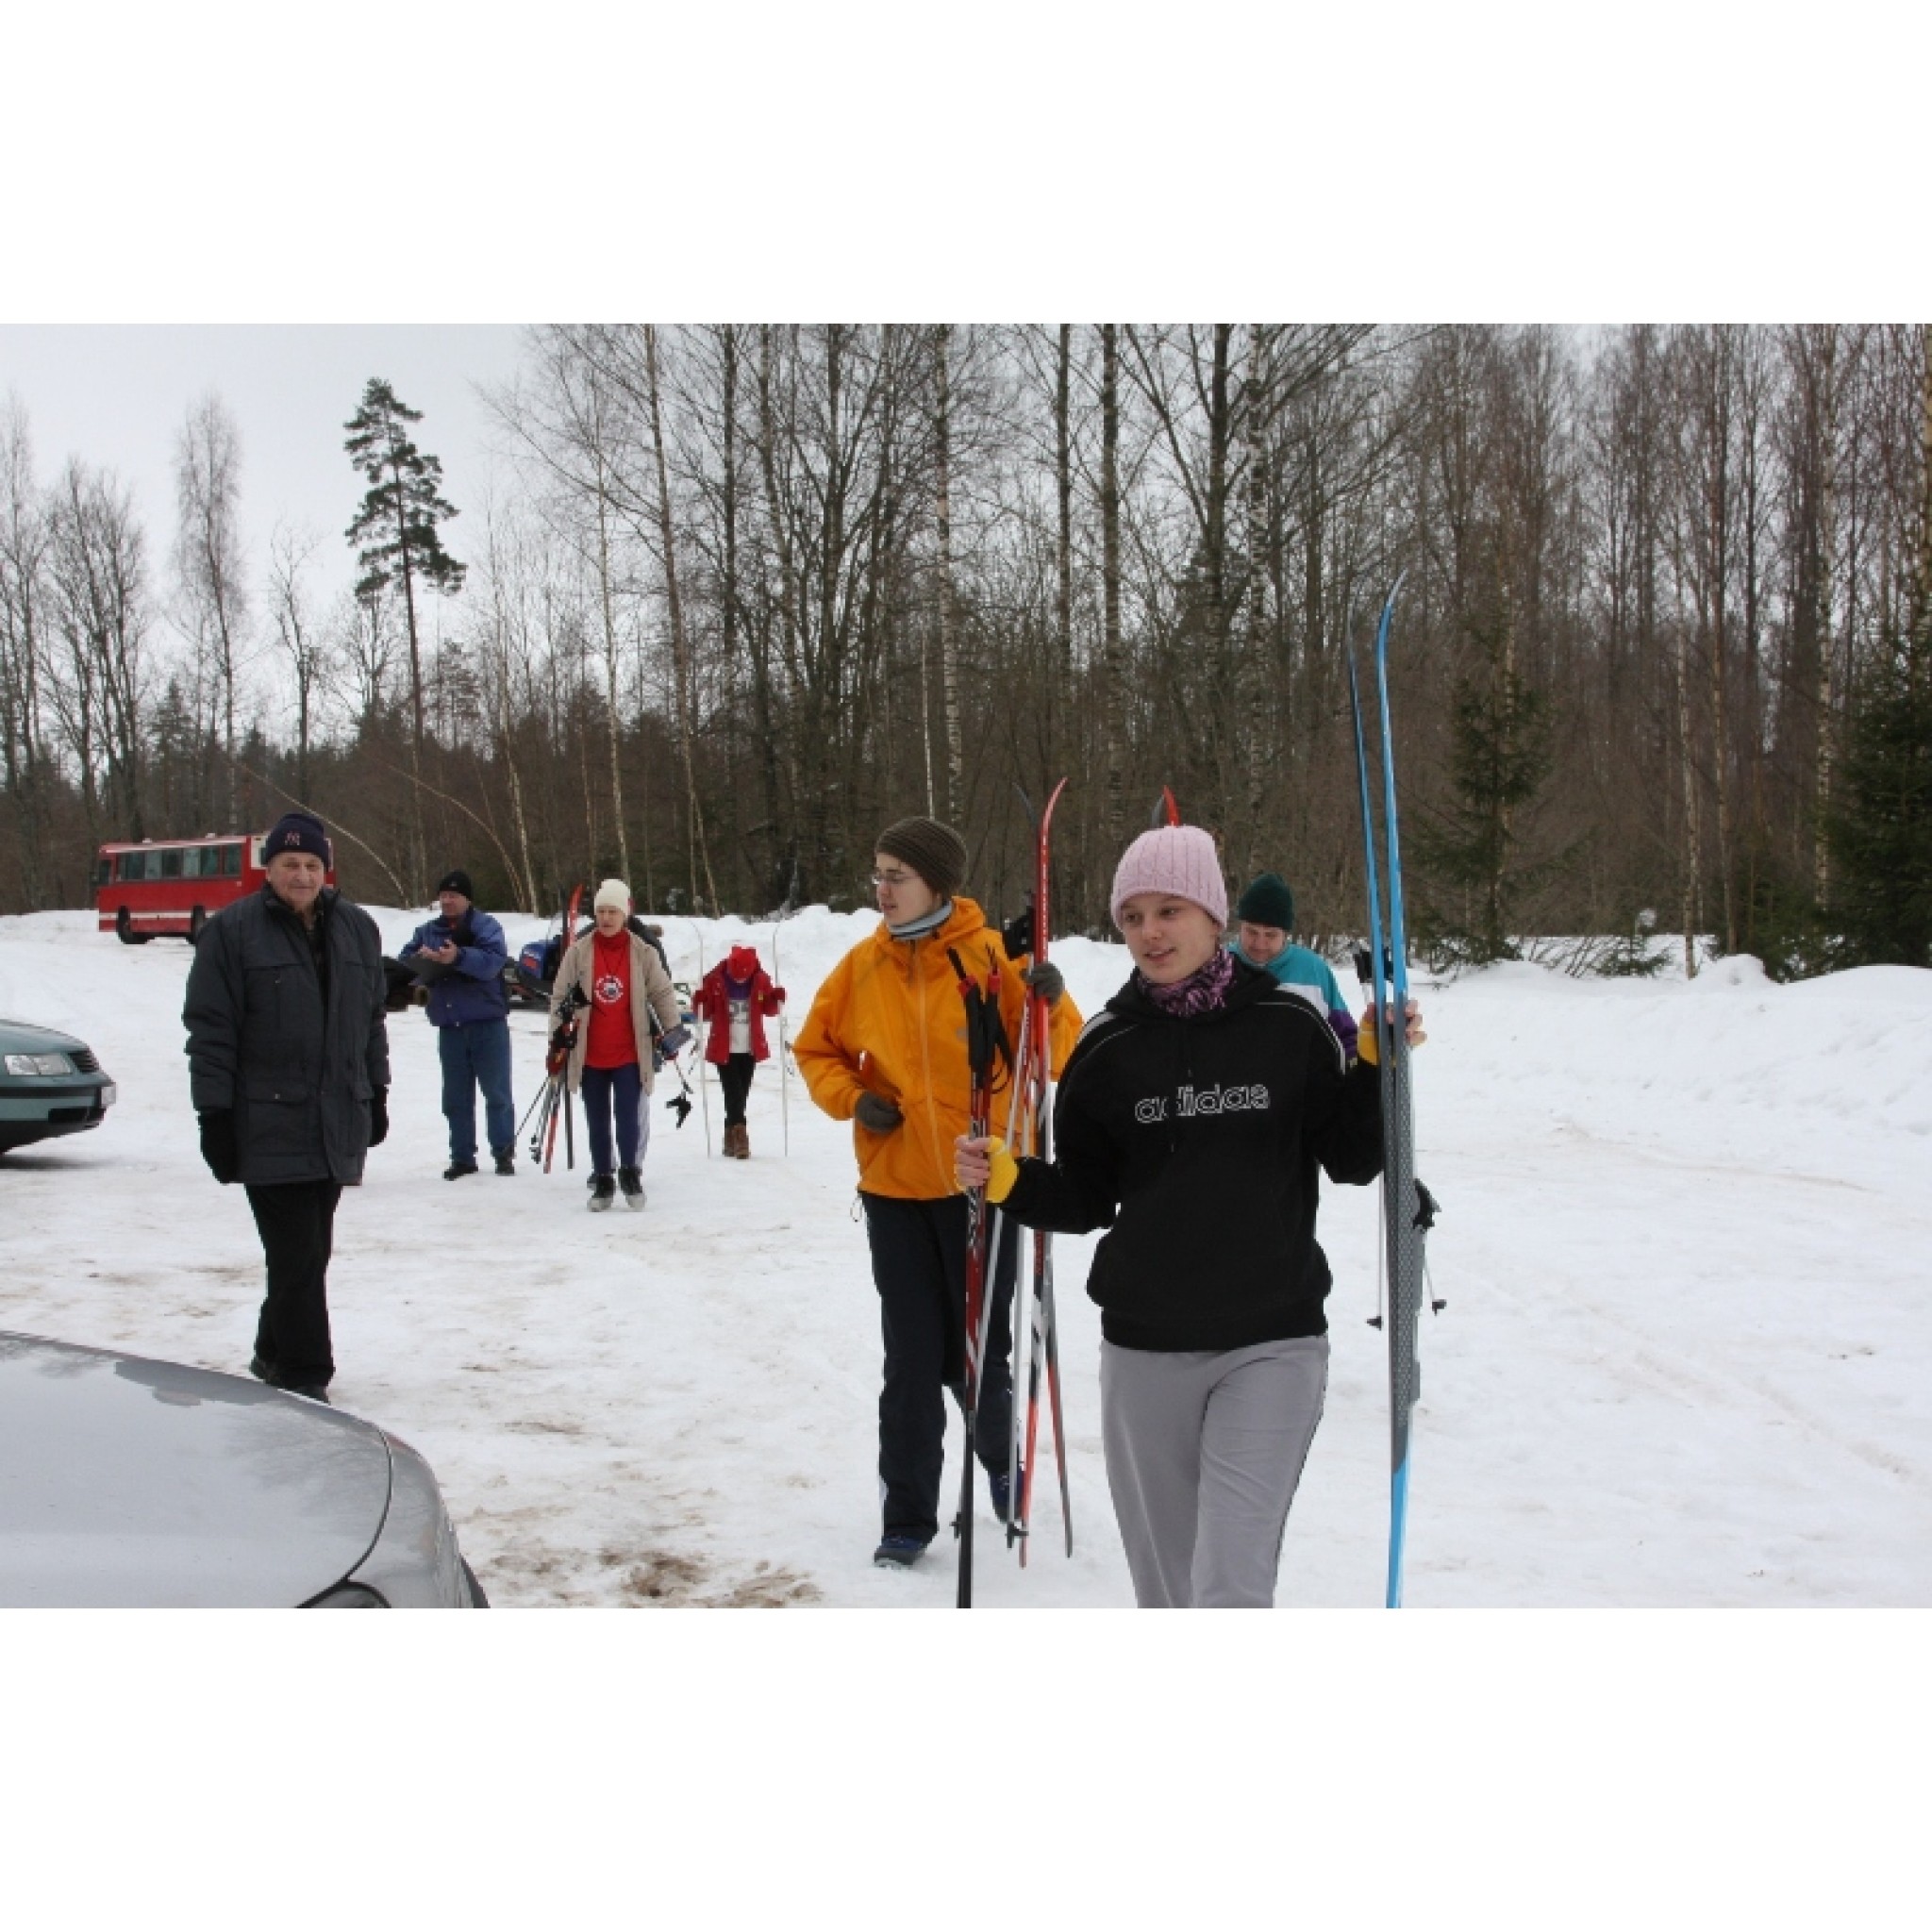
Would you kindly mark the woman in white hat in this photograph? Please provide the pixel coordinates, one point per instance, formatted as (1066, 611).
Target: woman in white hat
(619, 983)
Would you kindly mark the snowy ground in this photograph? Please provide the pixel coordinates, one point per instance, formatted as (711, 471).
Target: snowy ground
(1686, 1358)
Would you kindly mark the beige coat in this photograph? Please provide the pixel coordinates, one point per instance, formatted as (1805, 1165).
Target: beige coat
(650, 992)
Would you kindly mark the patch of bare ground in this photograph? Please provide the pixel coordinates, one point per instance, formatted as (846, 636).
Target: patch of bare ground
(667, 1579)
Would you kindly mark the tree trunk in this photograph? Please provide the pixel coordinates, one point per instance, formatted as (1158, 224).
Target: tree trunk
(949, 661)
(699, 853)
(1113, 656)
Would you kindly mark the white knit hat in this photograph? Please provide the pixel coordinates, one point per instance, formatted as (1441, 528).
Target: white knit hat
(611, 893)
(1180, 860)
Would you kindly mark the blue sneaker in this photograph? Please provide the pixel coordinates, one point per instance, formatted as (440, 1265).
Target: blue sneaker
(898, 1550)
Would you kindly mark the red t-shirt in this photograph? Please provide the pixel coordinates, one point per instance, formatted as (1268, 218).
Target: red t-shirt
(613, 1041)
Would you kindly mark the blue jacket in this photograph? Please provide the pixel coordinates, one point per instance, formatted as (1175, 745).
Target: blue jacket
(472, 990)
(1311, 976)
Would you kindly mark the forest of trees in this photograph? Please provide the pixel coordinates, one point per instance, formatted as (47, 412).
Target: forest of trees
(1663, 650)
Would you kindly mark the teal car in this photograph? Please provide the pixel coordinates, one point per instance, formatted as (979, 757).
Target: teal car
(50, 1083)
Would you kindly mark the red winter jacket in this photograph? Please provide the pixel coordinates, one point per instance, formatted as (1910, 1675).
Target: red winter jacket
(712, 1004)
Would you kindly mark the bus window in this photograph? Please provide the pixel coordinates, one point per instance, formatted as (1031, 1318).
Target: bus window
(133, 866)
(201, 861)
(171, 862)
(231, 861)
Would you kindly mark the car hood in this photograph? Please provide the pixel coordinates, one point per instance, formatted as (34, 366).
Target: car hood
(130, 1482)
(22, 1036)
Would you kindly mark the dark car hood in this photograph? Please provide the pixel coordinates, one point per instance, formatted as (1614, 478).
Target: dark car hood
(128, 1482)
(28, 1036)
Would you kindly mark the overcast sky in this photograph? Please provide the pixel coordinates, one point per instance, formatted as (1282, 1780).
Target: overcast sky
(116, 397)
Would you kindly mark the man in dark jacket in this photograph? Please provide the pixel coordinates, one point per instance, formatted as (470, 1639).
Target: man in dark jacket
(460, 954)
(289, 1070)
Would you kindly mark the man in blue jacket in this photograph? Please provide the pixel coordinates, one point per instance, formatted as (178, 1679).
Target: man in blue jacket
(1266, 916)
(459, 953)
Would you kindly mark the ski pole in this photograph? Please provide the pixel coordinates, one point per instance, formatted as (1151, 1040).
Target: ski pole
(784, 1050)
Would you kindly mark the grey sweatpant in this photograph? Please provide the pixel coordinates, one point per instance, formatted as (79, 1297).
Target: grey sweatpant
(1204, 1451)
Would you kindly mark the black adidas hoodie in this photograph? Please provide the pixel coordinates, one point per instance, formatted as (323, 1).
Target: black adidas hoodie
(1196, 1143)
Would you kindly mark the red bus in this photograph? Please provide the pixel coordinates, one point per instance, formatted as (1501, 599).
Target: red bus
(172, 885)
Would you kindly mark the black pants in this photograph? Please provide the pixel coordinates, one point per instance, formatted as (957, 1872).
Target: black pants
(919, 1267)
(735, 1077)
(296, 1220)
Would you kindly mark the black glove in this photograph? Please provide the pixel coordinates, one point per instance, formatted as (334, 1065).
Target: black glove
(1017, 934)
(378, 1117)
(877, 1113)
(673, 1042)
(218, 1146)
(1045, 977)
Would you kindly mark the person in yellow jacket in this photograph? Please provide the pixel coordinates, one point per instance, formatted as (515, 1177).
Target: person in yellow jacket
(884, 1046)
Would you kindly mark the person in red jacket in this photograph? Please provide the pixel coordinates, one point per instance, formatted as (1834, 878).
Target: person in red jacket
(735, 998)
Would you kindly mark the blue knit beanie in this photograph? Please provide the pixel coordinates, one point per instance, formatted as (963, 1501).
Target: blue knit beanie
(297, 831)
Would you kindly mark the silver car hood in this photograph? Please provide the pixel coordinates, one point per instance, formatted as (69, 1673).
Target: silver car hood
(129, 1482)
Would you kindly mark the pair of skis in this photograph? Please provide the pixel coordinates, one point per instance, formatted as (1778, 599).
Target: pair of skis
(1034, 1318)
(1033, 1083)
(553, 1098)
(986, 1045)
(1407, 1208)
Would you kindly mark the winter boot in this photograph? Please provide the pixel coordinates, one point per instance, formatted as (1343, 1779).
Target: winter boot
(632, 1182)
(603, 1192)
(898, 1550)
(743, 1149)
(458, 1169)
(505, 1160)
(999, 1487)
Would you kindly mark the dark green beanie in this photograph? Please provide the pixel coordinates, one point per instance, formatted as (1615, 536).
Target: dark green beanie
(1268, 902)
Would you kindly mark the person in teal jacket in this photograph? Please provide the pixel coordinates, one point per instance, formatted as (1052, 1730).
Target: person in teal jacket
(1266, 913)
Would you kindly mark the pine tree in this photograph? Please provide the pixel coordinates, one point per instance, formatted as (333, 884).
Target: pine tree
(1500, 755)
(1878, 829)
(398, 542)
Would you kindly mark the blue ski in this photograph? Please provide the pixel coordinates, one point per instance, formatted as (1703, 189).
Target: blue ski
(1408, 1209)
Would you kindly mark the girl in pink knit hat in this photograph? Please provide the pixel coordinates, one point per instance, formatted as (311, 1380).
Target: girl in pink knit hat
(1192, 1121)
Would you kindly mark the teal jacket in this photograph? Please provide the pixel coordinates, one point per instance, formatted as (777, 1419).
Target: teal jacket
(1311, 976)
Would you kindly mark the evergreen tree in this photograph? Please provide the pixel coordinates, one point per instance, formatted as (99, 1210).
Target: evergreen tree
(1879, 828)
(398, 542)
(1500, 755)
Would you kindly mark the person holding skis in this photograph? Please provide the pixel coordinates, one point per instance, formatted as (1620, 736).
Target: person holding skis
(620, 981)
(288, 1057)
(1190, 1122)
(884, 1046)
(735, 998)
(1265, 915)
(460, 953)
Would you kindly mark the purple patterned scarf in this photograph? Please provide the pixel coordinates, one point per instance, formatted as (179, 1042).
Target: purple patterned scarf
(1200, 992)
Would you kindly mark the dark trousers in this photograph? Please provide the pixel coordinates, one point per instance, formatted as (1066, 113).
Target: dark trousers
(620, 1092)
(735, 1077)
(919, 1267)
(472, 1057)
(296, 1220)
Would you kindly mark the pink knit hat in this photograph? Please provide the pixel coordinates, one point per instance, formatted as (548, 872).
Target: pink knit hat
(1180, 860)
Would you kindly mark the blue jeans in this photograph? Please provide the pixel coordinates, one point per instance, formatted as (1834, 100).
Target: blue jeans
(472, 1057)
(620, 1090)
